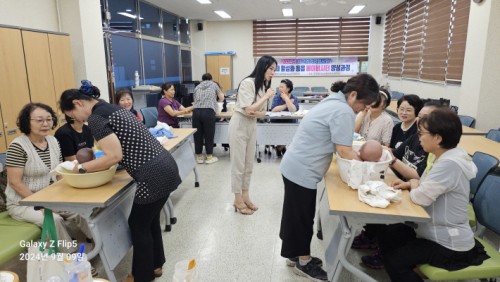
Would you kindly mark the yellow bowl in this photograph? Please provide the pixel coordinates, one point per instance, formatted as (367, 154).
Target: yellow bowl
(87, 180)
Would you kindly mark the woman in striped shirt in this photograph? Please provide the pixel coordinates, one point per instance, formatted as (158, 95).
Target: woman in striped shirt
(30, 158)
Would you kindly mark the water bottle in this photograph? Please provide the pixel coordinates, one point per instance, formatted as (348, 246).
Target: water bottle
(136, 79)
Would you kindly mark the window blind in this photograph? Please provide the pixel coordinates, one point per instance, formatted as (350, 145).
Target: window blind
(458, 37)
(432, 39)
(312, 37)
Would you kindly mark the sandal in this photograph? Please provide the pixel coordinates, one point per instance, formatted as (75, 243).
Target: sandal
(252, 206)
(243, 209)
(93, 271)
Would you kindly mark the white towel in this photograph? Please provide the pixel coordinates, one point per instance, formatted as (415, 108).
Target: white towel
(378, 194)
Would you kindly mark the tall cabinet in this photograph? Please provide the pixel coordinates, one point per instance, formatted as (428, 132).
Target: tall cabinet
(36, 67)
(221, 69)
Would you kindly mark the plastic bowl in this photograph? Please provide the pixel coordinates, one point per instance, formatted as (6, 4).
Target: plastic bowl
(87, 180)
(379, 169)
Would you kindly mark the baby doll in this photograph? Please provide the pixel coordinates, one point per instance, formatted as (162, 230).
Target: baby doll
(370, 151)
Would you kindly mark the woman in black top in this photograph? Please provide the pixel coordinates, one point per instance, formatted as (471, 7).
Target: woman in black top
(73, 136)
(125, 140)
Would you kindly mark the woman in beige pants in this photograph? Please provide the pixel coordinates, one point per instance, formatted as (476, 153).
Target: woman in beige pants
(253, 93)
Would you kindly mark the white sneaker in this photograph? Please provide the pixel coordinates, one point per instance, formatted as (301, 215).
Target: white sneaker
(211, 160)
(199, 159)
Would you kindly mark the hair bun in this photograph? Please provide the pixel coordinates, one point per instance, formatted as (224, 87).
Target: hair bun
(87, 88)
(338, 86)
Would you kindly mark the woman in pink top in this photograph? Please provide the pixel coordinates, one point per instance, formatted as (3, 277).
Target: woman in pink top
(169, 108)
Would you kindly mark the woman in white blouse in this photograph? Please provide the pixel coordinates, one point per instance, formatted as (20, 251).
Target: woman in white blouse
(374, 123)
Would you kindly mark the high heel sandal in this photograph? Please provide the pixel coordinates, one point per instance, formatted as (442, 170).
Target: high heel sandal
(243, 209)
(251, 206)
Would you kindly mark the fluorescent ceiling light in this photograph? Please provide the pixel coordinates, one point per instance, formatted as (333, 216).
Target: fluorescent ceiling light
(287, 12)
(223, 14)
(356, 9)
(128, 10)
(128, 15)
(204, 1)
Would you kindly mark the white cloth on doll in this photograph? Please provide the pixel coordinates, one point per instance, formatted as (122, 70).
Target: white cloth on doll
(68, 165)
(378, 194)
(359, 173)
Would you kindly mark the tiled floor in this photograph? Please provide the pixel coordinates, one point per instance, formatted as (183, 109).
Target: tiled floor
(228, 246)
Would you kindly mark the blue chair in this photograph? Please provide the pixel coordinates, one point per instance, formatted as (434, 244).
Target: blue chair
(319, 89)
(395, 95)
(467, 121)
(486, 208)
(494, 134)
(231, 92)
(485, 164)
(150, 115)
(300, 89)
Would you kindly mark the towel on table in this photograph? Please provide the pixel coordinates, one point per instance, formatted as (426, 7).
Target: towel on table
(378, 194)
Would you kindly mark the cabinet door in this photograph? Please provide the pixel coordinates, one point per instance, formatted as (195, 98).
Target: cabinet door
(3, 142)
(62, 66)
(226, 76)
(212, 67)
(14, 93)
(39, 68)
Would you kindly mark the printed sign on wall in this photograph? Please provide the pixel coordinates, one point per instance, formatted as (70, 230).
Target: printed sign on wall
(329, 66)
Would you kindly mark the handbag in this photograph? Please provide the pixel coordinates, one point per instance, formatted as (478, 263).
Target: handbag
(45, 263)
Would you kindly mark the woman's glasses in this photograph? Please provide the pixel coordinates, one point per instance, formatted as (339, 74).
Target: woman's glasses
(420, 133)
(40, 121)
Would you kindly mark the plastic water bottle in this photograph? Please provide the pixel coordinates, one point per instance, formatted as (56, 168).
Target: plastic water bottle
(136, 79)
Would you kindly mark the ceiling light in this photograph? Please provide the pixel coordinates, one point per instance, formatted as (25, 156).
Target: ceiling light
(287, 12)
(285, 1)
(128, 15)
(128, 10)
(356, 9)
(204, 1)
(223, 14)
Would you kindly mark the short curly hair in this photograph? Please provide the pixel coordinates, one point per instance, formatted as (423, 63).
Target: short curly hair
(24, 117)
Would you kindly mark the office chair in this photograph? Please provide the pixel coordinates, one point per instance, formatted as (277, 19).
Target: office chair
(395, 95)
(494, 134)
(150, 115)
(486, 208)
(467, 120)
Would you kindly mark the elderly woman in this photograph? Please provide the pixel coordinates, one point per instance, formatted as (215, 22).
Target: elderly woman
(30, 158)
(447, 241)
(287, 102)
(206, 95)
(169, 108)
(125, 100)
(119, 135)
(374, 123)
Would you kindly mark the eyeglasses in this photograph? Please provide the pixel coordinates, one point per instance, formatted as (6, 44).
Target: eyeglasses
(420, 133)
(406, 110)
(41, 121)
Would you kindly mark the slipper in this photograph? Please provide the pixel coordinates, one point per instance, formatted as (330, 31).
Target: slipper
(93, 271)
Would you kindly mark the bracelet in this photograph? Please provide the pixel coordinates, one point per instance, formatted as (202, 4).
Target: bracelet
(393, 162)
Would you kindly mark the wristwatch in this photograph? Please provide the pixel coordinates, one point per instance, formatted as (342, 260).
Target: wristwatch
(81, 169)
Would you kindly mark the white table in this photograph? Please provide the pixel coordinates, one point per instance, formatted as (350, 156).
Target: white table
(340, 204)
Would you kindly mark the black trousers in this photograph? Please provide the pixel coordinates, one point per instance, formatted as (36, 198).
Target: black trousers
(145, 229)
(204, 122)
(403, 251)
(297, 220)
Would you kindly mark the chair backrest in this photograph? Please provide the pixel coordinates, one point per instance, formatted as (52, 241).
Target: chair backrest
(300, 89)
(486, 203)
(150, 115)
(231, 92)
(319, 89)
(493, 134)
(395, 95)
(485, 164)
(467, 120)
